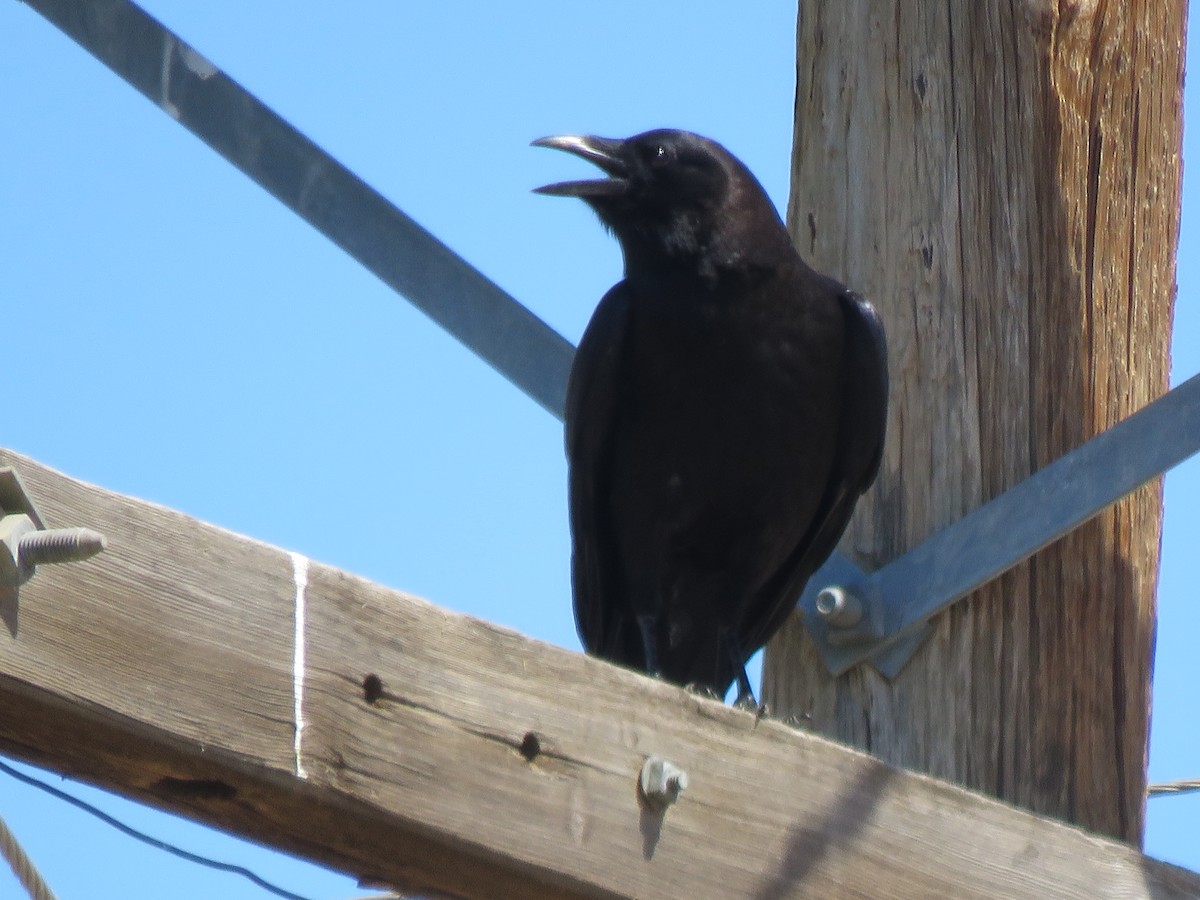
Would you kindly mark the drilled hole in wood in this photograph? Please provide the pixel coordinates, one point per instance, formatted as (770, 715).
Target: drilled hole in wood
(530, 746)
(372, 688)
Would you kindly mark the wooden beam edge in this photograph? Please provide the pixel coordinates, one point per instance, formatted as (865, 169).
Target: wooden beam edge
(481, 763)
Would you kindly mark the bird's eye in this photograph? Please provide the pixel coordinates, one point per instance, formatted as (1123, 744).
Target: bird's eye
(659, 155)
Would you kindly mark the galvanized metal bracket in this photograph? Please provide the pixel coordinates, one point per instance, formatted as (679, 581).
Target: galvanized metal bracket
(882, 617)
(205, 100)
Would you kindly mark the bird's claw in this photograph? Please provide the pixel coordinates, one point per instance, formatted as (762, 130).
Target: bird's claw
(750, 705)
(702, 690)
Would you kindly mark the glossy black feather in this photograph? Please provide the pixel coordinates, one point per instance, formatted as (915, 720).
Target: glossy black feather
(725, 411)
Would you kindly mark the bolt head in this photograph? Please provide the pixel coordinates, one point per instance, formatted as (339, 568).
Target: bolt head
(661, 782)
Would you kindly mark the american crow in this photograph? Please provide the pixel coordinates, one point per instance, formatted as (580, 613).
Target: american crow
(725, 410)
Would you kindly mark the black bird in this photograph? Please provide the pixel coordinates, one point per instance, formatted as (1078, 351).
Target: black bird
(724, 412)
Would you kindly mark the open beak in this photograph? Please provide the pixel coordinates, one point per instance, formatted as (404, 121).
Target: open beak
(604, 152)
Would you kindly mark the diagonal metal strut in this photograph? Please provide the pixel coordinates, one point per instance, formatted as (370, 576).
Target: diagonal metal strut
(896, 602)
(902, 596)
(322, 191)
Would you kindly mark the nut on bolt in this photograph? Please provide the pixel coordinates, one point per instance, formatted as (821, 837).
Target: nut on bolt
(661, 782)
(839, 607)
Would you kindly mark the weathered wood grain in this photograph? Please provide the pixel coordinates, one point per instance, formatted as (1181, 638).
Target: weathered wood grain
(449, 756)
(1002, 179)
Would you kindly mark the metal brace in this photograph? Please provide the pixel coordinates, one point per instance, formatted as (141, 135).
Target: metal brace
(882, 617)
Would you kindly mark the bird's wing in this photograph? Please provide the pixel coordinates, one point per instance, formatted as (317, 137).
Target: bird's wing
(865, 391)
(593, 404)
(861, 427)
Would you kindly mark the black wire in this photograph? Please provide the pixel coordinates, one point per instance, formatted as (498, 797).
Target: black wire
(145, 838)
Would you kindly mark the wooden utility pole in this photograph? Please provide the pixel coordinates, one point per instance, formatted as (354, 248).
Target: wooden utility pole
(310, 710)
(1003, 181)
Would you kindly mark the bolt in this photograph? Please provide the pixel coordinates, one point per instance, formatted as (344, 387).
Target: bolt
(839, 607)
(59, 545)
(23, 546)
(661, 782)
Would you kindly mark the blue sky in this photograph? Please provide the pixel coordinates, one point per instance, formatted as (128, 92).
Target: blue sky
(196, 344)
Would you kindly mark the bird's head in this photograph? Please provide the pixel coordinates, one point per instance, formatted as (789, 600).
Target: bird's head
(667, 195)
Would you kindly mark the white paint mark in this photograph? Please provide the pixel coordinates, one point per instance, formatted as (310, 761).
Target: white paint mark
(579, 815)
(164, 78)
(195, 62)
(300, 577)
(199, 65)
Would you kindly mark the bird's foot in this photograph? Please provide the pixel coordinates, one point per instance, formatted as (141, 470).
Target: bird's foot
(702, 690)
(747, 703)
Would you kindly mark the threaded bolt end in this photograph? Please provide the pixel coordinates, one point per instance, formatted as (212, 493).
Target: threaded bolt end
(661, 782)
(59, 545)
(839, 607)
